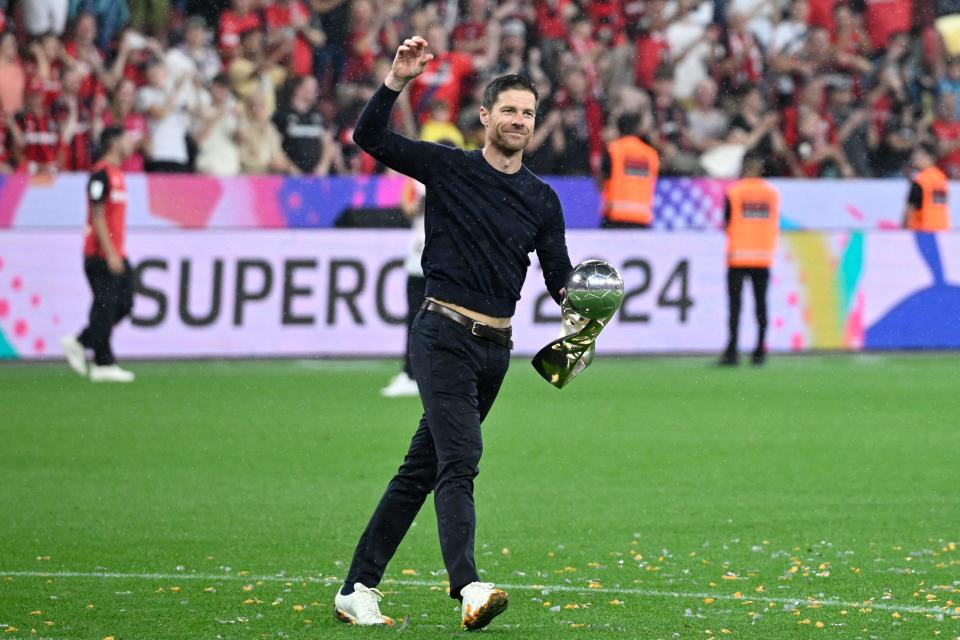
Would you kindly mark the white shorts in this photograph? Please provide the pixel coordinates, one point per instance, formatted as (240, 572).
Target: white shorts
(41, 16)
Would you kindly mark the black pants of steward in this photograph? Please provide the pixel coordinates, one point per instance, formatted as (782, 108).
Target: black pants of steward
(459, 376)
(760, 278)
(112, 302)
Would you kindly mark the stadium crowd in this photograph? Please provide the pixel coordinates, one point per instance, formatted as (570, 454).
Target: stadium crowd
(837, 88)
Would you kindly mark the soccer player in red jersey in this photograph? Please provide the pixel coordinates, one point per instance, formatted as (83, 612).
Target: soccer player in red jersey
(105, 263)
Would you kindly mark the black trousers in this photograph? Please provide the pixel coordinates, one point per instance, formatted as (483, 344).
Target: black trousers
(459, 376)
(416, 290)
(112, 302)
(760, 279)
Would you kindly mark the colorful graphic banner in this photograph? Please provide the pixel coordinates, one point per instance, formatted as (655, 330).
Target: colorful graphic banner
(196, 202)
(306, 293)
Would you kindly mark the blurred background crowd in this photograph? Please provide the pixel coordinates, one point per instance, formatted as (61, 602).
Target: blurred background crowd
(838, 88)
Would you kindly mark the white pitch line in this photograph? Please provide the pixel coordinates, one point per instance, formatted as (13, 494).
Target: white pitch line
(563, 588)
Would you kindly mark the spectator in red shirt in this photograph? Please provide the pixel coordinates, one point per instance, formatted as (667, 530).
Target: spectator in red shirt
(37, 135)
(946, 131)
(86, 59)
(234, 21)
(821, 14)
(742, 62)
(445, 77)
(122, 114)
(582, 117)
(80, 120)
(883, 18)
(849, 42)
(366, 41)
(468, 35)
(652, 48)
(290, 20)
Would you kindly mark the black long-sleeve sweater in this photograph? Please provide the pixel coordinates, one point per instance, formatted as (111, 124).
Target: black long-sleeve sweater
(481, 224)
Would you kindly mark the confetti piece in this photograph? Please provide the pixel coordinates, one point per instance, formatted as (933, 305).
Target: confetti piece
(760, 589)
(575, 625)
(409, 572)
(249, 601)
(210, 590)
(159, 590)
(616, 603)
(595, 585)
(818, 625)
(547, 603)
(738, 595)
(726, 632)
(108, 638)
(175, 589)
(708, 601)
(90, 605)
(505, 551)
(298, 607)
(36, 613)
(895, 615)
(571, 606)
(247, 587)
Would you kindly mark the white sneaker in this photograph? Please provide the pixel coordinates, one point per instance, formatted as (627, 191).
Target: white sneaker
(360, 607)
(482, 602)
(110, 373)
(76, 354)
(401, 386)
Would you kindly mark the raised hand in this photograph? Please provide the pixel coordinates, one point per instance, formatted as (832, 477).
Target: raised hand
(410, 61)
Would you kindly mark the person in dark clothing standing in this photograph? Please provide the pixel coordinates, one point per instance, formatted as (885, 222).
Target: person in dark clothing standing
(105, 263)
(485, 212)
(309, 145)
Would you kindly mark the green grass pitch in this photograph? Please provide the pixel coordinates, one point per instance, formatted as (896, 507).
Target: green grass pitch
(652, 498)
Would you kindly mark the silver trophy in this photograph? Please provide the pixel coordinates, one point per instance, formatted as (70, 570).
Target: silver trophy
(594, 293)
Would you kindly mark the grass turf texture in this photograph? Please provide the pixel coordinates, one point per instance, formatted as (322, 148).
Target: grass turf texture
(758, 498)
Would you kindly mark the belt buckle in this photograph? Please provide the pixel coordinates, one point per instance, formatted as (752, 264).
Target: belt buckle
(473, 328)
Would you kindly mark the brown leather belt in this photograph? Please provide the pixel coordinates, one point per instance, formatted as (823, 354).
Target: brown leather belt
(480, 330)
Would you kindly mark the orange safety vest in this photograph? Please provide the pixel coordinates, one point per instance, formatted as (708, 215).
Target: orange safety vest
(754, 222)
(933, 214)
(628, 192)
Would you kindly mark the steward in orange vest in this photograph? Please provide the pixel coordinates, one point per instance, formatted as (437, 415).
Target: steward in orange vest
(927, 207)
(753, 220)
(629, 177)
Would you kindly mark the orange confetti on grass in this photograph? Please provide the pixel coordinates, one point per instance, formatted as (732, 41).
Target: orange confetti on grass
(760, 589)
(616, 603)
(175, 589)
(737, 595)
(11, 629)
(895, 615)
(819, 625)
(595, 585)
(409, 572)
(726, 632)
(571, 606)
(708, 601)
(249, 601)
(36, 613)
(247, 588)
(108, 638)
(298, 608)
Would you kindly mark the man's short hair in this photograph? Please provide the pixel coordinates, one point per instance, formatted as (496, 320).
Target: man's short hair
(109, 136)
(628, 124)
(507, 83)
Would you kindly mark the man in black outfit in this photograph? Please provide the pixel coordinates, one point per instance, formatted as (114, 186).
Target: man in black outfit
(485, 212)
